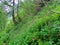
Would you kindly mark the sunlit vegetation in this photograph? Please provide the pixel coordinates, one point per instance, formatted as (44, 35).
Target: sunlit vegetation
(33, 22)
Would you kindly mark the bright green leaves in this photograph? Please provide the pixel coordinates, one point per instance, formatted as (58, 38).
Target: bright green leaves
(40, 30)
(30, 33)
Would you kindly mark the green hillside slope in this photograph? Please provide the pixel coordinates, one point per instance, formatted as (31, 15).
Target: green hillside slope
(40, 29)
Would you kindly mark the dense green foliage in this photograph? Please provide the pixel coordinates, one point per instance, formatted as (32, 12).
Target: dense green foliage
(40, 29)
(2, 19)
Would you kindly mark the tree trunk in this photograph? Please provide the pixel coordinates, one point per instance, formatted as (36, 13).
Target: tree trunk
(19, 19)
(14, 20)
